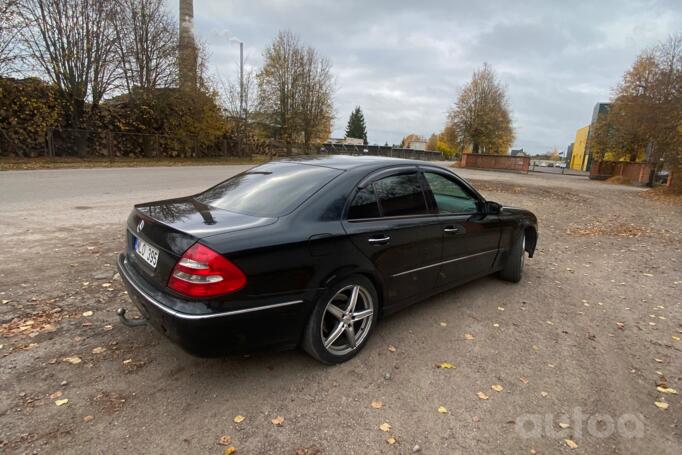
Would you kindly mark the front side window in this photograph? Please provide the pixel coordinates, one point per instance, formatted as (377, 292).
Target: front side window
(400, 195)
(449, 195)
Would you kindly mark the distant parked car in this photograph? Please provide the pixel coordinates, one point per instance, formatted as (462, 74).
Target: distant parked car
(562, 165)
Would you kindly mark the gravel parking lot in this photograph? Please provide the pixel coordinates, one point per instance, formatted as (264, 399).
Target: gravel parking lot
(583, 356)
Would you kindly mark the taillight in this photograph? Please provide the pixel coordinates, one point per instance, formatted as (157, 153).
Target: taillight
(201, 272)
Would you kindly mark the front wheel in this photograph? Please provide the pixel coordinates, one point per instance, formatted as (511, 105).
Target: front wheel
(342, 321)
(513, 269)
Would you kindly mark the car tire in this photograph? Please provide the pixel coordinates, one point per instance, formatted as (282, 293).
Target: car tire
(335, 320)
(513, 269)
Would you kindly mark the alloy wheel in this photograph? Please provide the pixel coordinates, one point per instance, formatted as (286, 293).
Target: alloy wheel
(347, 319)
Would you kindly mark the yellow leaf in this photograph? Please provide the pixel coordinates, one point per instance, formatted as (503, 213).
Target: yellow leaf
(99, 350)
(482, 396)
(666, 390)
(238, 419)
(497, 387)
(676, 338)
(376, 404)
(391, 440)
(385, 427)
(442, 410)
(468, 336)
(61, 402)
(229, 450)
(225, 440)
(661, 405)
(391, 348)
(564, 425)
(278, 421)
(571, 443)
(443, 324)
(74, 360)
(87, 314)
(445, 365)
(544, 394)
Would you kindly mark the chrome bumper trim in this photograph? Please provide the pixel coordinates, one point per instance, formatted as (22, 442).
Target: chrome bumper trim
(192, 317)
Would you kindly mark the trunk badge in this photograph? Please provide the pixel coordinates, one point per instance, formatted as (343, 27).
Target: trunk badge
(140, 226)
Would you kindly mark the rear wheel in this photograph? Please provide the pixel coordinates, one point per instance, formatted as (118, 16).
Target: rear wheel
(342, 321)
(513, 269)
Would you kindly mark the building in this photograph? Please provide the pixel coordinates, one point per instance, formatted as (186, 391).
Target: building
(417, 144)
(580, 155)
(345, 141)
(518, 152)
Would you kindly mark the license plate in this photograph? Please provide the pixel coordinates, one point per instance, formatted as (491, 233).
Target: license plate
(146, 252)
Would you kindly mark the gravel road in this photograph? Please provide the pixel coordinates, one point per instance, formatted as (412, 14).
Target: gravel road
(575, 352)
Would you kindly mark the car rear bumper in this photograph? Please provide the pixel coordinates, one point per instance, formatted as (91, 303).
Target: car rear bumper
(253, 326)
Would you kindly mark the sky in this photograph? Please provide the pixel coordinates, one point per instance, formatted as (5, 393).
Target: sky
(404, 61)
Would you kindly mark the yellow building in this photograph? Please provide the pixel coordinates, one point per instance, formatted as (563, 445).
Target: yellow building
(579, 158)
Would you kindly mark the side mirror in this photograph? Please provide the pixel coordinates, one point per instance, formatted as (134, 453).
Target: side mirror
(492, 208)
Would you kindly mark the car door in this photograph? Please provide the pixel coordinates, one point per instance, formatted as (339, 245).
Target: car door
(389, 221)
(470, 237)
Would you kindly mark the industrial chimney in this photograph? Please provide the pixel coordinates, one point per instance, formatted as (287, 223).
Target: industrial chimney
(188, 49)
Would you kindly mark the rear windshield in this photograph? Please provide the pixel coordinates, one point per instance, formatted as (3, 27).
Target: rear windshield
(270, 190)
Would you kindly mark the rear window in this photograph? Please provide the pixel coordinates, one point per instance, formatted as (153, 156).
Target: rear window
(270, 190)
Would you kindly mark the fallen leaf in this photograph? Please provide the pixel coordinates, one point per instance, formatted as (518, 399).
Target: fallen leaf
(56, 395)
(676, 338)
(229, 450)
(391, 440)
(662, 405)
(445, 365)
(278, 421)
(442, 410)
(385, 427)
(544, 394)
(127, 361)
(238, 419)
(224, 440)
(571, 443)
(376, 404)
(87, 419)
(106, 285)
(482, 396)
(496, 325)
(666, 390)
(391, 348)
(524, 380)
(99, 350)
(443, 324)
(87, 314)
(73, 360)
(658, 360)
(61, 402)
(468, 336)
(497, 387)
(564, 425)
(500, 308)
(550, 323)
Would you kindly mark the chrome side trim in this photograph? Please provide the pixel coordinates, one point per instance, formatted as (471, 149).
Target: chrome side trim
(443, 262)
(193, 317)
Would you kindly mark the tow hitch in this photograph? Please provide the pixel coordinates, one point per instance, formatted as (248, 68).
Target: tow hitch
(121, 312)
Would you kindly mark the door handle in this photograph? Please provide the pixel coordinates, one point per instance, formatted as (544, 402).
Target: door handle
(379, 241)
(451, 229)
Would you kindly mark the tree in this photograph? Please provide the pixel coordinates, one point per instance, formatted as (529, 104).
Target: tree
(356, 127)
(432, 143)
(405, 143)
(146, 44)
(480, 117)
(295, 90)
(72, 43)
(9, 30)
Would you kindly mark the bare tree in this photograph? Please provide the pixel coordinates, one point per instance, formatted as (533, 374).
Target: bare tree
(72, 43)
(235, 99)
(480, 117)
(9, 29)
(146, 44)
(295, 89)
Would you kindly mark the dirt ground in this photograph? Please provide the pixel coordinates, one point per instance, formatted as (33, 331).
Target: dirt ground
(585, 352)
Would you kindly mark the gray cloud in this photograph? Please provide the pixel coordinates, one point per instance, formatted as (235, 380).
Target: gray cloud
(403, 61)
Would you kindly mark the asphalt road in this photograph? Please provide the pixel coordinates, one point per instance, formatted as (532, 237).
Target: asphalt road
(587, 336)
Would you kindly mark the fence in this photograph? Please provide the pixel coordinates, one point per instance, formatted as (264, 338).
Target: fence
(640, 173)
(504, 162)
(381, 150)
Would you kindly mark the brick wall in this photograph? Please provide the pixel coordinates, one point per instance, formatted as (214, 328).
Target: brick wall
(505, 162)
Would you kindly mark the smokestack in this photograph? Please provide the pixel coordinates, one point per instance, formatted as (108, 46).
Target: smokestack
(188, 49)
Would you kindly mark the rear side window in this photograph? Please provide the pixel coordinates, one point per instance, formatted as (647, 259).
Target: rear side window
(364, 205)
(270, 190)
(400, 195)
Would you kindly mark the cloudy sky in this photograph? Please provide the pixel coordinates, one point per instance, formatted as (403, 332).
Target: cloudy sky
(403, 61)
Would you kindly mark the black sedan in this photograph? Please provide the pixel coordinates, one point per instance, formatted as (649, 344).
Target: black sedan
(312, 252)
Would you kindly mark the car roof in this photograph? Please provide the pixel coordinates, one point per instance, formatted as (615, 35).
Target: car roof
(346, 162)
